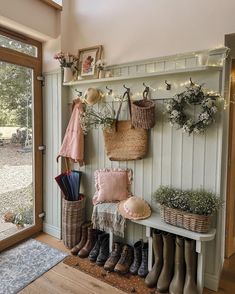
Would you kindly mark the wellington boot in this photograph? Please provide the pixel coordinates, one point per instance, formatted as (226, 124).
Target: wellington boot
(168, 263)
(83, 240)
(90, 243)
(143, 269)
(152, 277)
(137, 258)
(190, 256)
(177, 283)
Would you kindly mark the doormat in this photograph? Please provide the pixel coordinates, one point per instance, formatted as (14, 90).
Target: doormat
(24, 263)
(127, 283)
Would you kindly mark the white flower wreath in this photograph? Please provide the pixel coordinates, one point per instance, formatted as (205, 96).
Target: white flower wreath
(194, 95)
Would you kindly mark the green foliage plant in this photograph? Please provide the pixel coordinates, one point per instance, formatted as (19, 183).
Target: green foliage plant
(201, 202)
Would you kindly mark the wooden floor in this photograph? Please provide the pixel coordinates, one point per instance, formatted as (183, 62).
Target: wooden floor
(63, 279)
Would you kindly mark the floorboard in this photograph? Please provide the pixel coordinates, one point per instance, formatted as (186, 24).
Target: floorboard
(64, 279)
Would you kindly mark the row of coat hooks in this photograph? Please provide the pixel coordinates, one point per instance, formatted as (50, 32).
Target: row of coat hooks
(145, 92)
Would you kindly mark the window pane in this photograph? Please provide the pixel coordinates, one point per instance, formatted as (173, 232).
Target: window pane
(7, 42)
(16, 149)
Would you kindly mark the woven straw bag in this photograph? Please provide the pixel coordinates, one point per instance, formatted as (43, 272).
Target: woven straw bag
(73, 216)
(143, 112)
(124, 142)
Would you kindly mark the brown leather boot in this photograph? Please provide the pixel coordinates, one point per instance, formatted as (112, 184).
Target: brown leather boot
(153, 275)
(90, 243)
(126, 259)
(83, 240)
(114, 257)
(177, 283)
(168, 263)
(190, 256)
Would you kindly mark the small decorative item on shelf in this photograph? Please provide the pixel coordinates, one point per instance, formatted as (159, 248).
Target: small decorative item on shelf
(68, 64)
(193, 96)
(100, 64)
(189, 209)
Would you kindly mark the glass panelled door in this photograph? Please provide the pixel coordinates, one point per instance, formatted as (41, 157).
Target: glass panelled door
(20, 141)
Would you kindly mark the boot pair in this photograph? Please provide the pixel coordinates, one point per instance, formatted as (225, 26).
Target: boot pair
(185, 255)
(87, 242)
(140, 263)
(100, 252)
(162, 271)
(120, 259)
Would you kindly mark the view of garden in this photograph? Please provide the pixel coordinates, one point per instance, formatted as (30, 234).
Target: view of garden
(16, 194)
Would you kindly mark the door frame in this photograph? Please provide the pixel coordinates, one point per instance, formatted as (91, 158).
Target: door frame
(35, 63)
(230, 201)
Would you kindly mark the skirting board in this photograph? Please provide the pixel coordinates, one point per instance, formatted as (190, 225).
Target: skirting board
(212, 281)
(52, 230)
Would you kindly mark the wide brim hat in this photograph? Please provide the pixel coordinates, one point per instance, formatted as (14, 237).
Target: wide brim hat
(92, 96)
(134, 208)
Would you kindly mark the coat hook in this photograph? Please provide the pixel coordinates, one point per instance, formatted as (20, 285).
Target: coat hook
(168, 86)
(128, 89)
(146, 91)
(191, 82)
(79, 92)
(110, 91)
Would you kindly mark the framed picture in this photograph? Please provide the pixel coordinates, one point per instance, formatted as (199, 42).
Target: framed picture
(87, 59)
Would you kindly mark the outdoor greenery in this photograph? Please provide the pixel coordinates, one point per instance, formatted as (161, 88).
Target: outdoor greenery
(15, 88)
(200, 202)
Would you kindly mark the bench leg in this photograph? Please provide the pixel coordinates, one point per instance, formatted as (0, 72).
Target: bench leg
(150, 247)
(110, 241)
(200, 249)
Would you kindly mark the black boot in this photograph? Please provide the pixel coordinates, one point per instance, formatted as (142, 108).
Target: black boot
(143, 269)
(104, 251)
(96, 249)
(137, 258)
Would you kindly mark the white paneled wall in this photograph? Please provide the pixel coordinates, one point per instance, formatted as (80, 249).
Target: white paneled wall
(52, 138)
(173, 158)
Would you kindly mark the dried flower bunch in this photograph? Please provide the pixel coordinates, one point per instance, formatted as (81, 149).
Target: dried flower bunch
(66, 60)
(100, 64)
(200, 202)
(194, 95)
(92, 118)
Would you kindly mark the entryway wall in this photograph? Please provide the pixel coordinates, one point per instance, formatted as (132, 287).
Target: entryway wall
(174, 158)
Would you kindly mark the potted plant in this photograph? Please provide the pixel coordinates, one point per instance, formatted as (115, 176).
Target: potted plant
(189, 209)
(68, 63)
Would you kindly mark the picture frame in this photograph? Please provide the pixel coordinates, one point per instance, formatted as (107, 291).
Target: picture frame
(87, 58)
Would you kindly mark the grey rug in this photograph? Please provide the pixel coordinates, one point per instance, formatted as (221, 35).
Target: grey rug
(21, 265)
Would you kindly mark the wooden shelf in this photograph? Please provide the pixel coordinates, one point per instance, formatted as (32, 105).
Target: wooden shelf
(144, 75)
(154, 221)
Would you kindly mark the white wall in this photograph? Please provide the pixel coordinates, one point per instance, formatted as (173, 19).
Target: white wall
(140, 29)
(32, 16)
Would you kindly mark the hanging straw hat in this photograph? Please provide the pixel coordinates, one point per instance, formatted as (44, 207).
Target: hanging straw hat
(92, 96)
(134, 208)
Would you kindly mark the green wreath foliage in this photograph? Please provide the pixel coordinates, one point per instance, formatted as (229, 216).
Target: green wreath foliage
(194, 95)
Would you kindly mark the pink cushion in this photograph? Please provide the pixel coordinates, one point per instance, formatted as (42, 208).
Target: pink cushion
(112, 185)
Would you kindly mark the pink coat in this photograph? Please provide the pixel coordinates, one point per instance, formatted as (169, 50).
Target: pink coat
(73, 143)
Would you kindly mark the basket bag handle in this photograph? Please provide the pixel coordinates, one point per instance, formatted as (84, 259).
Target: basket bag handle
(127, 93)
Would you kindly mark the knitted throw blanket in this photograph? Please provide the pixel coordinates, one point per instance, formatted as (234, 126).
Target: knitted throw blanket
(105, 217)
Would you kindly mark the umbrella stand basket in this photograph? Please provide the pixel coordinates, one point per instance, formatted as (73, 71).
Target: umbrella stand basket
(73, 216)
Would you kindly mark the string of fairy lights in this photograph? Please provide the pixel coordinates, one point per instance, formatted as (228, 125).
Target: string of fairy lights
(138, 95)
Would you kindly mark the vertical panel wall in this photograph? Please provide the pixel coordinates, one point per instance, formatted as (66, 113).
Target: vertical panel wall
(52, 128)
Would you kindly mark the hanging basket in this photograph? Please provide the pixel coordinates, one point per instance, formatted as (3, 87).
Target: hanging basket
(73, 216)
(192, 222)
(143, 112)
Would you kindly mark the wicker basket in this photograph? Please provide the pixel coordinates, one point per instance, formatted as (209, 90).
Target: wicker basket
(193, 222)
(73, 216)
(143, 114)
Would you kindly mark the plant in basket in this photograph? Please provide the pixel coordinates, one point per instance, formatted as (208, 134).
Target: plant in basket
(190, 209)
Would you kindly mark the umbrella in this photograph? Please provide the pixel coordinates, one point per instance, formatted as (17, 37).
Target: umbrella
(69, 183)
